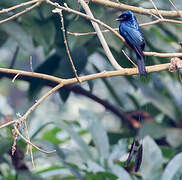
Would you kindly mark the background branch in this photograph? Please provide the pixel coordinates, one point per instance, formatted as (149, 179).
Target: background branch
(124, 116)
(100, 36)
(112, 30)
(139, 10)
(21, 13)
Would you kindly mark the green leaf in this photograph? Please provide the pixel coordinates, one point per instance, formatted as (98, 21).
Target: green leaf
(80, 26)
(99, 134)
(64, 93)
(27, 175)
(43, 33)
(39, 129)
(83, 146)
(152, 129)
(79, 57)
(163, 103)
(152, 162)
(5, 145)
(16, 32)
(168, 152)
(120, 172)
(173, 169)
(48, 67)
(100, 176)
(109, 87)
(51, 135)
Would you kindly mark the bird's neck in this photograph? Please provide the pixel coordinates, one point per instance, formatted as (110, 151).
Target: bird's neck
(133, 23)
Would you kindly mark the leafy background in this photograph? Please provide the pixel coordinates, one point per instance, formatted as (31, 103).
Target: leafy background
(91, 142)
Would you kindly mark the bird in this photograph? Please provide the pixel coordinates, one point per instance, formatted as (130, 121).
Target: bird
(129, 29)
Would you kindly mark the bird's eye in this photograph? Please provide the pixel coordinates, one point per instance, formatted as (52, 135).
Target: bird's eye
(124, 16)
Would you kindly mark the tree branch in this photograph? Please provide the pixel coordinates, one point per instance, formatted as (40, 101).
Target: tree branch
(100, 36)
(113, 31)
(79, 90)
(139, 10)
(104, 74)
(21, 13)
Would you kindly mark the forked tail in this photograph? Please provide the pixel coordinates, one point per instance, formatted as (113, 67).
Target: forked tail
(141, 65)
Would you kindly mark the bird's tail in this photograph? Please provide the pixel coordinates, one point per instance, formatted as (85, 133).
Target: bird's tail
(141, 65)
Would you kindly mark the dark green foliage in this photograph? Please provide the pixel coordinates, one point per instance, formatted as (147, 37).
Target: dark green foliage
(91, 142)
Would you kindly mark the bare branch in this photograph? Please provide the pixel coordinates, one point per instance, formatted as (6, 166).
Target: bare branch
(115, 32)
(180, 14)
(139, 10)
(20, 13)
(100, 36)
(18, 6)
(104, 74)
(129, 58)
(66, 43)
(113, 61)
(36, 147)
(156, 9)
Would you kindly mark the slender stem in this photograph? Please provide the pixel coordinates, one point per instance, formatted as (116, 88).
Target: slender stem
(139, 10)
(66, 43)
(18, 6)
(100, 36)
(20, 13)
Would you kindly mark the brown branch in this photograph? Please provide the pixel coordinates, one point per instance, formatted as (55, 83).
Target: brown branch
(63, 82)
(129, 58)
(175, 8)
(18, 6)
(79, 90)
(21, 13)
(156, 8)
(30, 143)
(101, 37)
(14, 57)
(117, 29)
(66, 43)
(104, 74)
(139, 10)
(115, 32)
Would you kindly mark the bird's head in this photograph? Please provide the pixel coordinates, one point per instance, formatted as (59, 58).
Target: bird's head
(125, 16)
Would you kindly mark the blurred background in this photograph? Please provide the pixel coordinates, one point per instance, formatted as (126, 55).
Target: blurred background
(89, 124)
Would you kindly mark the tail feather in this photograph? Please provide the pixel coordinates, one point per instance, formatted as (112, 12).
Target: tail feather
(141, 65)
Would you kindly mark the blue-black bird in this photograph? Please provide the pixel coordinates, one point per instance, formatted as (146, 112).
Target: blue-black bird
(131, 32)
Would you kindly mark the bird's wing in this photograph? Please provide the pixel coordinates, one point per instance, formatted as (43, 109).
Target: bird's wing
(135, 39)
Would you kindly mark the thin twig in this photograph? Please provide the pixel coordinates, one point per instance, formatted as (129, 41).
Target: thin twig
(140, 10)
(20, 13)
(36, 147)
(116, 29)
(24, 117)
(114, 62)
(31, 67)
(18, 6)
(100, 36)
(29, 147)
(115, 32)
(175, 8)
(13, 80)
(156, 9)
(129, 58)
(66, 43)
(104, 74)
(8, 124)
(14, 57)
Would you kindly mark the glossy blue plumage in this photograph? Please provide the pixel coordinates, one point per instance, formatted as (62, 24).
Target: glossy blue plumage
(131, 32)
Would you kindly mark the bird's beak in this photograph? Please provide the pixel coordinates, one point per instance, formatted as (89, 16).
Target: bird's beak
(118, 19)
